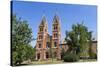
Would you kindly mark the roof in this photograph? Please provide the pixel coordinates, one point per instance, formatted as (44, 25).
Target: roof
(94, 41)
(43, 22)
(56, 19)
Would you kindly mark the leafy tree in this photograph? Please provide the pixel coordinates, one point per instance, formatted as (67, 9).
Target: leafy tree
(70, 57)
(63, 52)
(30, 52)
(21, 35)
(78, 39)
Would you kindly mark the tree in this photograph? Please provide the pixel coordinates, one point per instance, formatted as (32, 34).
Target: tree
(21, 36)
(78, 39)
(63, 52)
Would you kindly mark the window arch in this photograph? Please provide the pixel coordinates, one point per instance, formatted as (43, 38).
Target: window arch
(40, 45)
(47, 55)
(55, 44)
(55, 35)
(55, 27)
(48, 45)
(41, 29)
(55, 54)
(40, 36)
(38, 56)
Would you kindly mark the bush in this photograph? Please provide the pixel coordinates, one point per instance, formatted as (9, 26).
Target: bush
(93, 56)
(69, 57)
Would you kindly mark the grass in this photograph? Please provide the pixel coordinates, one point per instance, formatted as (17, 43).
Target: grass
(57, 61)
(87, 60)
(54, 61)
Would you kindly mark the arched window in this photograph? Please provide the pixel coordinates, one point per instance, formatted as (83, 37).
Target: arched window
(41, 29)
(55, 44)
(55, 35)
(47, 45)
(40, 45)
(45, 30)
(40, 37)
(47, 55)
(55, 54)
(55, 27)
(38, 56)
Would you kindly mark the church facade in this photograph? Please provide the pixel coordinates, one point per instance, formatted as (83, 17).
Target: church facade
(48, 46)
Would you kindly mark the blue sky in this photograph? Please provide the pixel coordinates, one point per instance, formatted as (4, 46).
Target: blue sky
(68, 13)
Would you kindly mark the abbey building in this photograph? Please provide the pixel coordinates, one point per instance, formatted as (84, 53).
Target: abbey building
(48, 46)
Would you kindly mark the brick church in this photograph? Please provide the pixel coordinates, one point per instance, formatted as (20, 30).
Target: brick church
(50, 46)
(45, 42)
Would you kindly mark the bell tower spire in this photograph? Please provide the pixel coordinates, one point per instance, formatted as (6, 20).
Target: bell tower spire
(41, 40)
(56, 36)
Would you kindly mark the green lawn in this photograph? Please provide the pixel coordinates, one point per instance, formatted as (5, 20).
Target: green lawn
(87, 60)
(60, 61)
(54, 61)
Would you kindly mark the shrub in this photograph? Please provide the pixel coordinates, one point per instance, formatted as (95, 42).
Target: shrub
(93, 56)
(69, 57)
